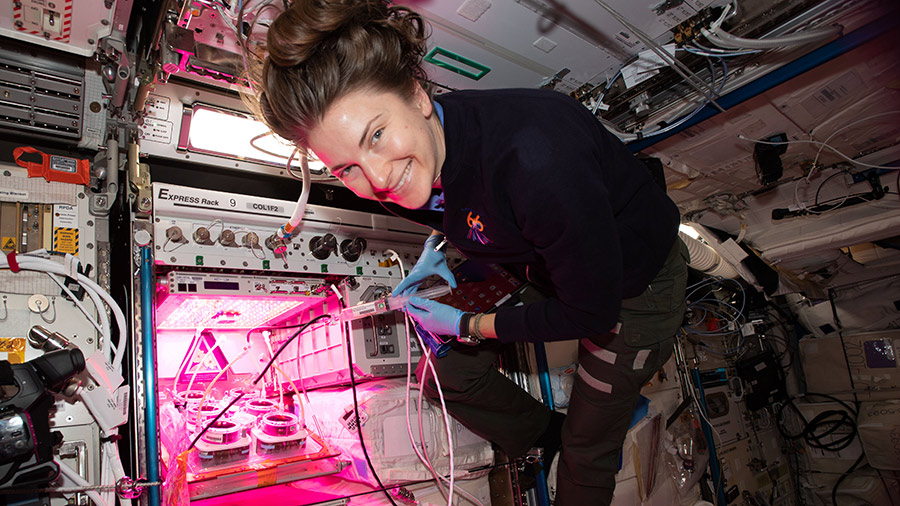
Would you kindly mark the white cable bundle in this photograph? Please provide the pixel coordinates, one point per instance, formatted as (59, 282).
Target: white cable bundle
(723, 39)
(111, 466)
(32, 262)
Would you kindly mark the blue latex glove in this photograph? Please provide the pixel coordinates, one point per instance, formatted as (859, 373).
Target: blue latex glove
(434, 316)
(431, 262)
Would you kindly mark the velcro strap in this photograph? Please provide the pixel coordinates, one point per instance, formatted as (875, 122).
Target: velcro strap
(13, 263)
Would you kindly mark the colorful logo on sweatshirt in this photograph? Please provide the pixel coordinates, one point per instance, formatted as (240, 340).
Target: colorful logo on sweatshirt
(476, 229)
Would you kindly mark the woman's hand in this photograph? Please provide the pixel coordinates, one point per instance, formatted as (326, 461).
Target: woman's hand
(430, 263)
(434, 316)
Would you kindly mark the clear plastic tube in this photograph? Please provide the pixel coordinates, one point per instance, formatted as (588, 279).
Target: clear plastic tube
(385, 304)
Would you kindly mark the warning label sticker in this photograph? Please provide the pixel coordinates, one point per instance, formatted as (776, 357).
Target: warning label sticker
(8, 243)
(65, 240)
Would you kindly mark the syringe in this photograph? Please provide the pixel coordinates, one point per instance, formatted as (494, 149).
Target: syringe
(385, 304)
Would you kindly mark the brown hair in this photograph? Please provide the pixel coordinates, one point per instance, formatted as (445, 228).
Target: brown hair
(316, 51)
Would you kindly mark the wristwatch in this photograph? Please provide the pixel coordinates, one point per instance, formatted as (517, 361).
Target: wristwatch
(466, 337)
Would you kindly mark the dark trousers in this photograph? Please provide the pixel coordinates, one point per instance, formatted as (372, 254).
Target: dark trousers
(612, 369)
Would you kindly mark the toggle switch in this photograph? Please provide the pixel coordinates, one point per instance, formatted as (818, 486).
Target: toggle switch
(52, 23)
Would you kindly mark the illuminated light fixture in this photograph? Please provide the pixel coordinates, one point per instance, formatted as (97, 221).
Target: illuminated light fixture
(224, 312)
(236, 135)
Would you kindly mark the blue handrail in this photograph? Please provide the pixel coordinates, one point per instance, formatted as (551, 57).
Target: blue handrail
(151, 428)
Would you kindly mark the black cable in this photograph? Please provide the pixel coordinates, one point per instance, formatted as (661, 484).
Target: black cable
(362, 442)
(824, 424)
(787, 351)
(822, 184)
(887, 490)
(847, 473)
(272, 327)
(814, 439)
(259, 377)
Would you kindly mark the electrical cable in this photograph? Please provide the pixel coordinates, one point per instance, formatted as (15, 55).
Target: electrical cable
(802, 205)
(780, 356)
(429, 366)
(426, 351)
(844, 476)
(99, 297)
(700, 49)
(660, 52)
(113, 459)
(825, 424)
(839, 130)
(81, 482)
(626, 137)
(604, 92)
(835, 150)
(424, 457)
(362, 442)
(723, 39)
(258, 377)
(273, 327)
(446, 416)
(31, 262)
(81, 308)
(289, 228)
(216, 221)
(712, 54)
(263, 150)
(819, 189)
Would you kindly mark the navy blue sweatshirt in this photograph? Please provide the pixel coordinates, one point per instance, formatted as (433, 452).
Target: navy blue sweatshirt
(534, 182)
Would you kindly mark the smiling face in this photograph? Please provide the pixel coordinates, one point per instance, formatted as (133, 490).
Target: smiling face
(381, 145)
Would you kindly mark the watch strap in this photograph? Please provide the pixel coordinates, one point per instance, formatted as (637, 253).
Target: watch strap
(464, 324)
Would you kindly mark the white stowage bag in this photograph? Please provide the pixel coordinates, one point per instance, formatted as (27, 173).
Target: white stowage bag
(879, 430)
(382, 409)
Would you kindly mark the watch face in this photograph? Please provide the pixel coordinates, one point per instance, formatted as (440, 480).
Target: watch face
(468, 340)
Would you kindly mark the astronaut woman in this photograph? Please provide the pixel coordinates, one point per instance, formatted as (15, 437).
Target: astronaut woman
(527, 179)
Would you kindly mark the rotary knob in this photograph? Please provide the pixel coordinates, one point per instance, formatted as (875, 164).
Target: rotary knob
(351, 249)
(321, 246)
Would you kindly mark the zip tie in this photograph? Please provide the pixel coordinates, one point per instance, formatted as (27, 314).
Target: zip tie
(13, 263)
